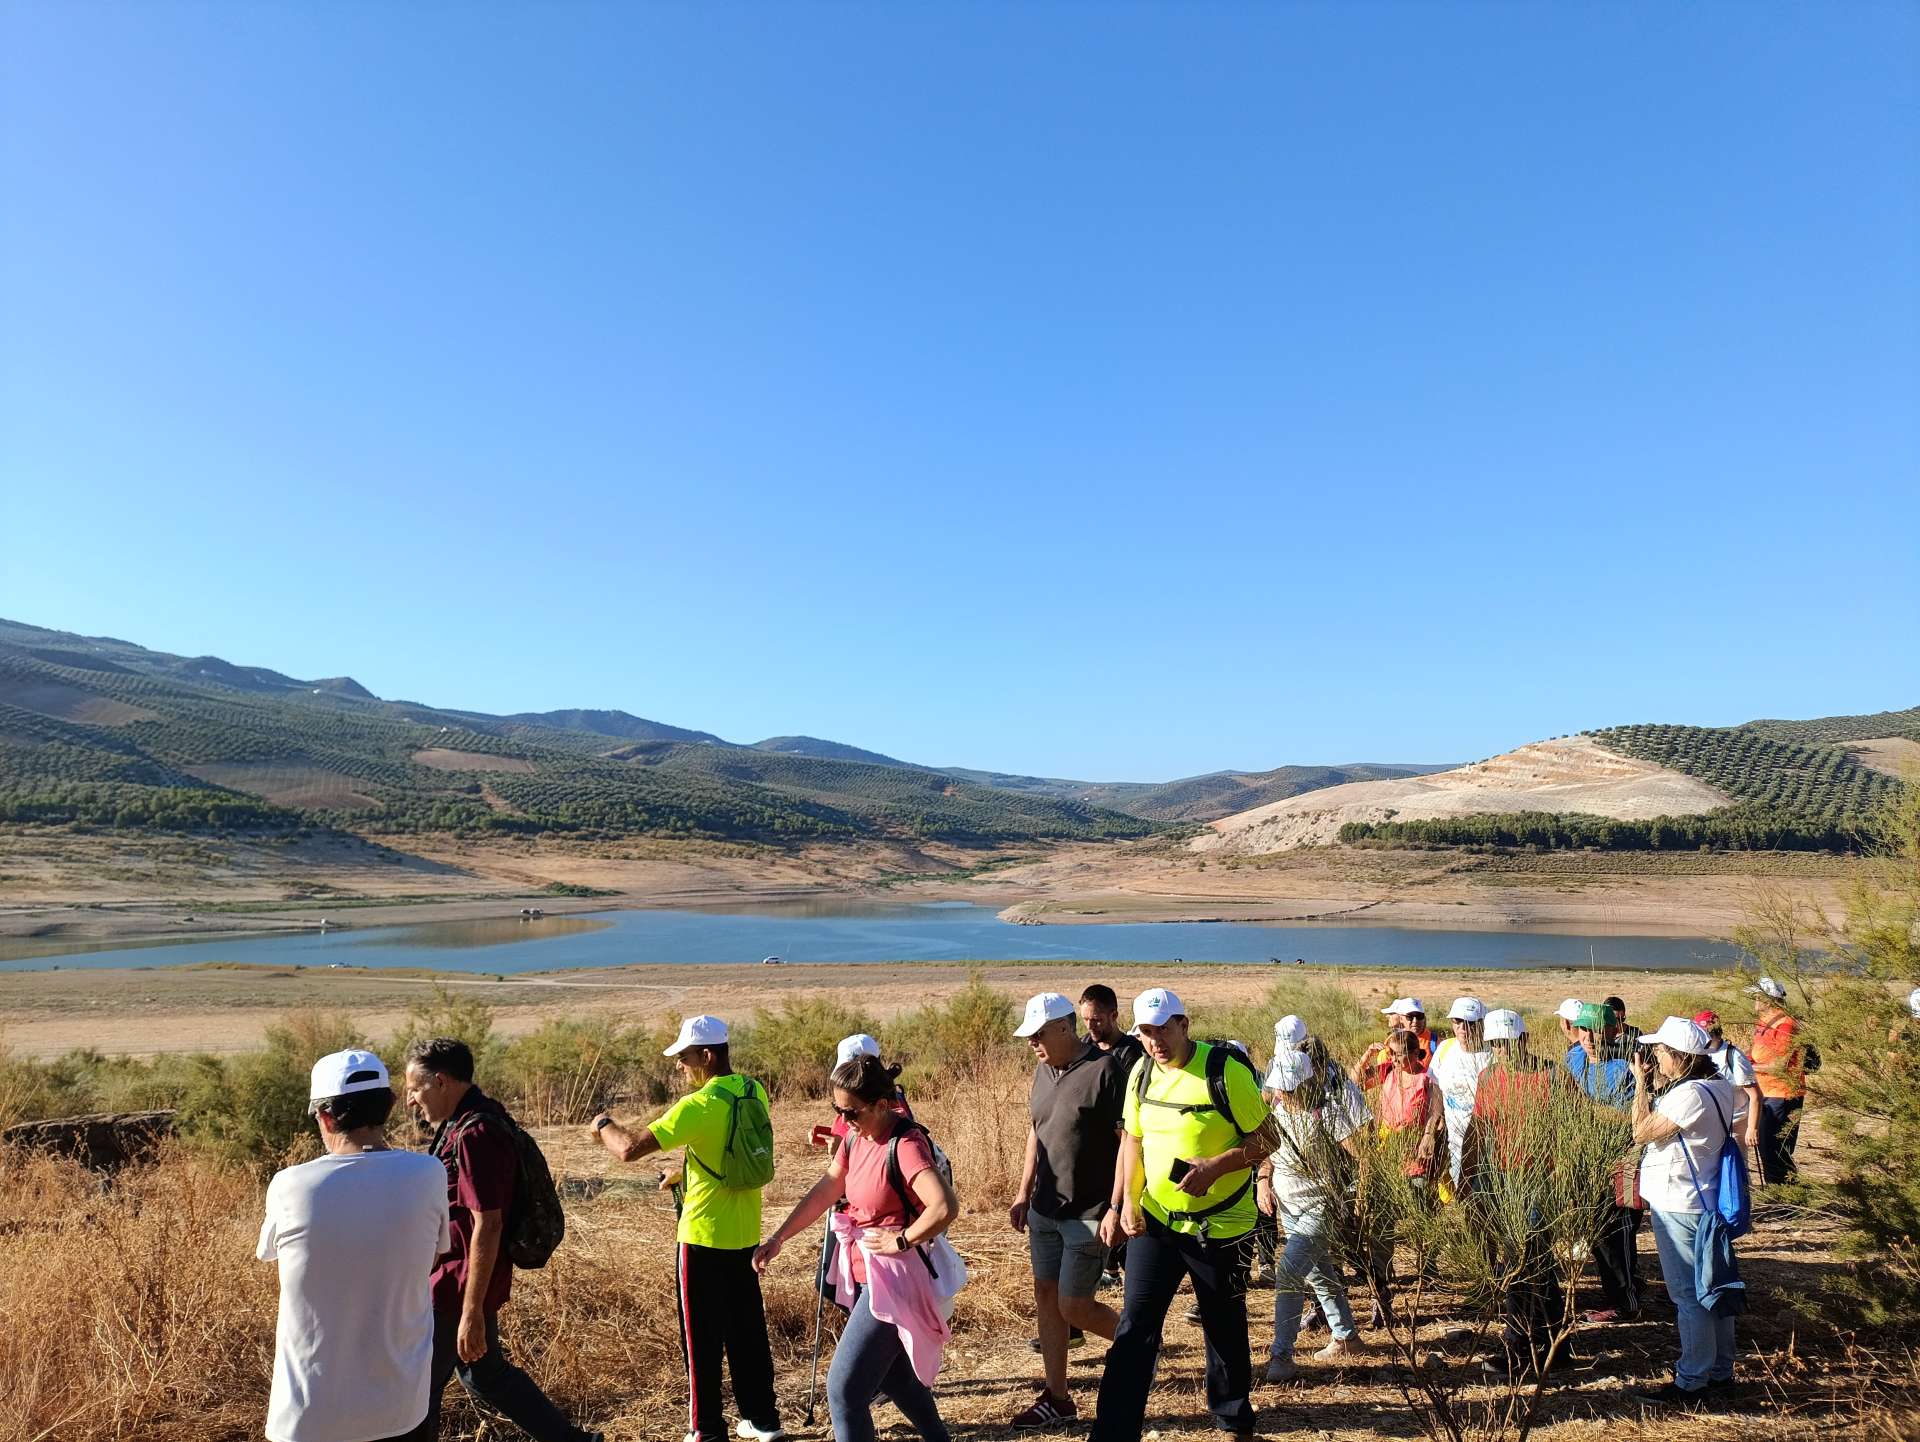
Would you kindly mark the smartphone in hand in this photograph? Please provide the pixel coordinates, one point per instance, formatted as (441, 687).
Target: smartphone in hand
(1181, 1166)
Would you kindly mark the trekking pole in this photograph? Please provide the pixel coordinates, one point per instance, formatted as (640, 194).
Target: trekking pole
(819, 1309)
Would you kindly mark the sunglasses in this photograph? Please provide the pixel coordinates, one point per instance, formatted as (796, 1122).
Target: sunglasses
(847, 1114)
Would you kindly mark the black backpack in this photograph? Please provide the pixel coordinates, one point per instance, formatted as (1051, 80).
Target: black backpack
(536, 1222)
(1219, 1056)
(898, 1181)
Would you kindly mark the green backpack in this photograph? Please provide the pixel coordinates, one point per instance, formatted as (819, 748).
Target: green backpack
(747, 1159)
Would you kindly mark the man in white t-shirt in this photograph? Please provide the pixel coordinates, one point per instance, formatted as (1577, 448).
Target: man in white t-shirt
(356, 1233)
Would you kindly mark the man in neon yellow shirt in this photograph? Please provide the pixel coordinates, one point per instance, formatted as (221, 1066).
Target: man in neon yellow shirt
(1195, 1127)
(720, 1305)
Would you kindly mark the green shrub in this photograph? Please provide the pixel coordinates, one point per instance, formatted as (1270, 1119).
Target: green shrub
(941, 1043)
(791, 1049)
(1332, 1014)
(253, 1107)
(571, 1067)
(464, 1017)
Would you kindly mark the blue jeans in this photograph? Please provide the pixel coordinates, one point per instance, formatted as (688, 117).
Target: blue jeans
(1305, 1262)
(871, 1360)
(1706, 1340)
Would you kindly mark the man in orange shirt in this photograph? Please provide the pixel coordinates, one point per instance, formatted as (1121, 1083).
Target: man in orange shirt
(1779, 1060)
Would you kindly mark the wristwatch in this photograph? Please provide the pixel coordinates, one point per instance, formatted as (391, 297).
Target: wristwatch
(605, 1121)
(900, 1243)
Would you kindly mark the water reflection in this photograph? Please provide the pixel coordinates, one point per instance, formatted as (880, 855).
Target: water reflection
(494, 931)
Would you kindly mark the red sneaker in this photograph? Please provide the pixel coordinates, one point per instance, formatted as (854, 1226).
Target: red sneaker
(1047, 1411)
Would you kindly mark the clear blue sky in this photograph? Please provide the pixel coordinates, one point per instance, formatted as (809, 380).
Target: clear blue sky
(1100, 390)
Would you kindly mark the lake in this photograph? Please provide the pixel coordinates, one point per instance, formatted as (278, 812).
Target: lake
(853, 931)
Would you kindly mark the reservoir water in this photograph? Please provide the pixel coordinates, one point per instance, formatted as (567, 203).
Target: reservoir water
(852, 931)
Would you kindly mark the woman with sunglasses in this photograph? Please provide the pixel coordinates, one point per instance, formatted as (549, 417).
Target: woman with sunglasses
(898, 1326)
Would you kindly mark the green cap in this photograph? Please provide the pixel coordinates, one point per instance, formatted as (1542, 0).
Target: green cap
(1594, 1016)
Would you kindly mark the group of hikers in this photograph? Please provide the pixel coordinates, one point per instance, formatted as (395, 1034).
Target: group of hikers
(1153, 1157)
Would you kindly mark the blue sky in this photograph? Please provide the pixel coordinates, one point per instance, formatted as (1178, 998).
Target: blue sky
(1110, 391)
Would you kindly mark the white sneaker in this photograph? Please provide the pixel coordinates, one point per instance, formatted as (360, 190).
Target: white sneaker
(752, 1433)
(1338, 1348)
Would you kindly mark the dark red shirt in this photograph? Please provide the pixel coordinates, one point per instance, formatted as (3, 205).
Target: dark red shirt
(1505, 1101)
(481, 1172)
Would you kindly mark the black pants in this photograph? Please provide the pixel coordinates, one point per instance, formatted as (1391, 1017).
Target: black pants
(1616, 1257)
(1155, 1264)
(721, 1313)
(1536, 1305)
(494, 1382)
(1266, 1239)
(1779, 1131)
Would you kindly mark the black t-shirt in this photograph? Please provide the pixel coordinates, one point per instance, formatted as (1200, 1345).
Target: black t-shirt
(1076, 1116)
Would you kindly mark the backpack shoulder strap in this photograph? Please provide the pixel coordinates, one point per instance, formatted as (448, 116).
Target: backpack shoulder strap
(1218, 1058)
(733, 1100)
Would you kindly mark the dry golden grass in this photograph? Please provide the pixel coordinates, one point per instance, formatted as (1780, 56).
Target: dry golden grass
(138, 1312)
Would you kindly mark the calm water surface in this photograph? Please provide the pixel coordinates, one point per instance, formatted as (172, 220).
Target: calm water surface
(853, 931)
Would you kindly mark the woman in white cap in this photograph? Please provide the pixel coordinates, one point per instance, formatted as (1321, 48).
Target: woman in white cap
(1457, 1065)
(1681, 1138)
(1406, 1013)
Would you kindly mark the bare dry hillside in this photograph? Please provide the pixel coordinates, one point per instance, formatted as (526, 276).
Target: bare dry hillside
(1571, 774)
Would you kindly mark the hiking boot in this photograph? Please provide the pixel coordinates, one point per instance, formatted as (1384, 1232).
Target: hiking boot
(756, 1433)
(1047, 1410)
(1282, 1369)
(1111, 1278)
(1340, 1349)
(1075, 1338)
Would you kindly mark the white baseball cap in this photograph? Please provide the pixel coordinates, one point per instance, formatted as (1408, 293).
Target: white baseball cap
(1767, 986)
(1047, 1006)
(698, 1031)
(1290, 1031)
(859, 1044)
(1404, 1005)
(1157, 1007)
(1467, 1008)
(1913, 1001)
(1682, 1035)
(1289, 1069)
(1569, 1010)
(330, 1075)
(1504, 1025)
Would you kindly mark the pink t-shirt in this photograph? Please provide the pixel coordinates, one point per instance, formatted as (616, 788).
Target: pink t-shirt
(871, 1199)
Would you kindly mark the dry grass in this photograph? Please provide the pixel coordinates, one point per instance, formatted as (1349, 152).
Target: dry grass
(138, 1312)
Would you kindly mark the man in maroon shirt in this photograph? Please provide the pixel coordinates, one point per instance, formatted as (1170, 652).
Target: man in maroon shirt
(472, 1282)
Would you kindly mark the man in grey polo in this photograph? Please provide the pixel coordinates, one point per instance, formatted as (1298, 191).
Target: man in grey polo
(1069, 1181)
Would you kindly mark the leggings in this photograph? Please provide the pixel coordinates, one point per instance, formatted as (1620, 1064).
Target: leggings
(869, 1362)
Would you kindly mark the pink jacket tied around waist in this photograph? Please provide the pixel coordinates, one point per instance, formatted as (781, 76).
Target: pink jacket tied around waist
(901, 1291)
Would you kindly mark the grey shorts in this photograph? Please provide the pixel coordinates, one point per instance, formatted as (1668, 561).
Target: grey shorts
(1067, 1250)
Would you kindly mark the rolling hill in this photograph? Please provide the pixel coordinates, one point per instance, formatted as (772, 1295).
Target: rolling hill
(1763, 785)
(98, 730)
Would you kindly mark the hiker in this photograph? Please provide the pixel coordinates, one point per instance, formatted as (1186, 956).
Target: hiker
(722, 1123)
(896, 1271)
(1681, 1138)
(1604, 1074)
(474, 1138)
(1403, 1014)
(859, 1044)
(356, 1233)
(1623, 1035)
(1568, 1013)
(1513, 1092)
(1736, 1067)
(1290, 1035)
(1779, 1064)
(1069, 1181)
(1100, 1014)
(1196, 1128)
(1457, 1065)
(1298, 1184)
